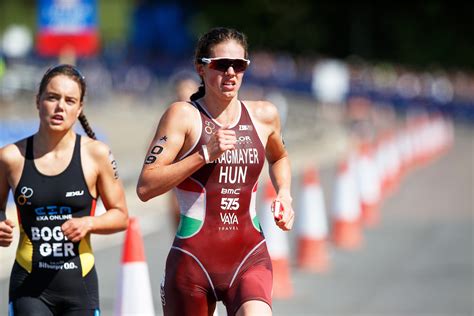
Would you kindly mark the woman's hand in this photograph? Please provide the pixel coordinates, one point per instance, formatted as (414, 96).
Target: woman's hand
(6, 232)
(76, 228)
(283, 212)
(222, 140)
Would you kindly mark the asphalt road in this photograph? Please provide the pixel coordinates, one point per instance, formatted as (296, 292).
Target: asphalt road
(417, 262)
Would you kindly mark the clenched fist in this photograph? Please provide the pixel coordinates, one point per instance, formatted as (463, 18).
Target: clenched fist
(6, 232)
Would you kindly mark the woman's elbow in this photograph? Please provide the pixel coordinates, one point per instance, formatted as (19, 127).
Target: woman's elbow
(143, 193)
(119, 220)
(146, 193)
(122, 220)
(124, 223)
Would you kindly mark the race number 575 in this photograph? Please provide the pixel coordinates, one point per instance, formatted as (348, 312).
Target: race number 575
(230, 204)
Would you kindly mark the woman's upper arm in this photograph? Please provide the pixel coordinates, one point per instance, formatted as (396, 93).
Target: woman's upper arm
(174, 136)
(109, 185)
(11, 162)
(270, 119)
(4, 186)
(170, 136)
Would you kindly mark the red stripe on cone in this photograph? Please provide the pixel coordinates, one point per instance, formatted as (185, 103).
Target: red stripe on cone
(133, 250)
(134, 296)
(270, 193)
(313, 255)
(277, 244)
(282, 286)
(347, 234)
(368, 181)
(346, 229)
(311, 225)
(310, 177)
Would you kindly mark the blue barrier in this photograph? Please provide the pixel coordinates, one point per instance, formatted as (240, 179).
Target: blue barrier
(14, 129)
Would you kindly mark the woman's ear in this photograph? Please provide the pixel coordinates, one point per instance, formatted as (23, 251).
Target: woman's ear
(80, 110)
(37, 101)
(200, 70)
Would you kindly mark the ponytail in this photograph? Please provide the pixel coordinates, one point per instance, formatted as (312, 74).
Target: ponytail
(199, 94)
(85, 125)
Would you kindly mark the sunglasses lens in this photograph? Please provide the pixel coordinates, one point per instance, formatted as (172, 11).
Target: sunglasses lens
(239, 65)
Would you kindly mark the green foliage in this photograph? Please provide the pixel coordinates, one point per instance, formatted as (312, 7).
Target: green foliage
(113, 16)
(425, 33)
(114, 19)
(17, 12)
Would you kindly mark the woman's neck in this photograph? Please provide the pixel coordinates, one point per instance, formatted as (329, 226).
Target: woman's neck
(223, 111)
(46, 141)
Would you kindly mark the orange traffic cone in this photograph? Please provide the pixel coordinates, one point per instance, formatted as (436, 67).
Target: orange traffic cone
(346, 229)
(278, 248)
(312, 227)
(134, 293)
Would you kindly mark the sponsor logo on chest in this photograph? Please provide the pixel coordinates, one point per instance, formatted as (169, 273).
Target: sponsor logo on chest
(243, 127)
(74, 193)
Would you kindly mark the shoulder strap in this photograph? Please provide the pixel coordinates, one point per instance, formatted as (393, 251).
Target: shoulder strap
(29, 148)
(77, 148)
(200, 109)
(244, 110)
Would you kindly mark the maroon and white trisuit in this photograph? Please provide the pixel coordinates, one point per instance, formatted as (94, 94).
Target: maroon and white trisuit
(219, 252)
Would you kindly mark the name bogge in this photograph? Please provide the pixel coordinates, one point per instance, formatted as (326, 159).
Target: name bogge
(52, 242)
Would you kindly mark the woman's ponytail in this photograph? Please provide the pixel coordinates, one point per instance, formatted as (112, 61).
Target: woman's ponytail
(198, 94)
(85, 125)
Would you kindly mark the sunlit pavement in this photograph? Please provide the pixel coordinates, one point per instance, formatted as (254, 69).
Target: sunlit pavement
(418, 261)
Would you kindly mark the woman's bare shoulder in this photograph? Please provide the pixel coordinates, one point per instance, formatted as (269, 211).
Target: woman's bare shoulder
(13, 153)
(94, 148)
(264, 111)
(181, 109)
(179, 116)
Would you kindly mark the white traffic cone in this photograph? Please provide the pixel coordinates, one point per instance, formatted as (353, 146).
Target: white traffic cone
(368, 182)
(346, 231)
(311, 226)
(277, 244)
(421, 139)
(134, 294)
(388, 163)
(405, 147)
(393, 164)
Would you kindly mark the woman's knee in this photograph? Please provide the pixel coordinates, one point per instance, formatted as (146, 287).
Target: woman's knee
(254, 307)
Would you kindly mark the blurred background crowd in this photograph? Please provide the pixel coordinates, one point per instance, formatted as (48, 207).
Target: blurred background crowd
(341, 74)
(403, 54)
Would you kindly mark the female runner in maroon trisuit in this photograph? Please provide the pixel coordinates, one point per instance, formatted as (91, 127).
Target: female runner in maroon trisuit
(211, 151)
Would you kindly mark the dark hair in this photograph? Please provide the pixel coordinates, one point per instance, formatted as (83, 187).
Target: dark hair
(73, 73)
(210, 39)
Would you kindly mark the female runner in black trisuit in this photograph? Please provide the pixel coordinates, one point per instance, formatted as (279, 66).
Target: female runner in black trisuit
(56, 177)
